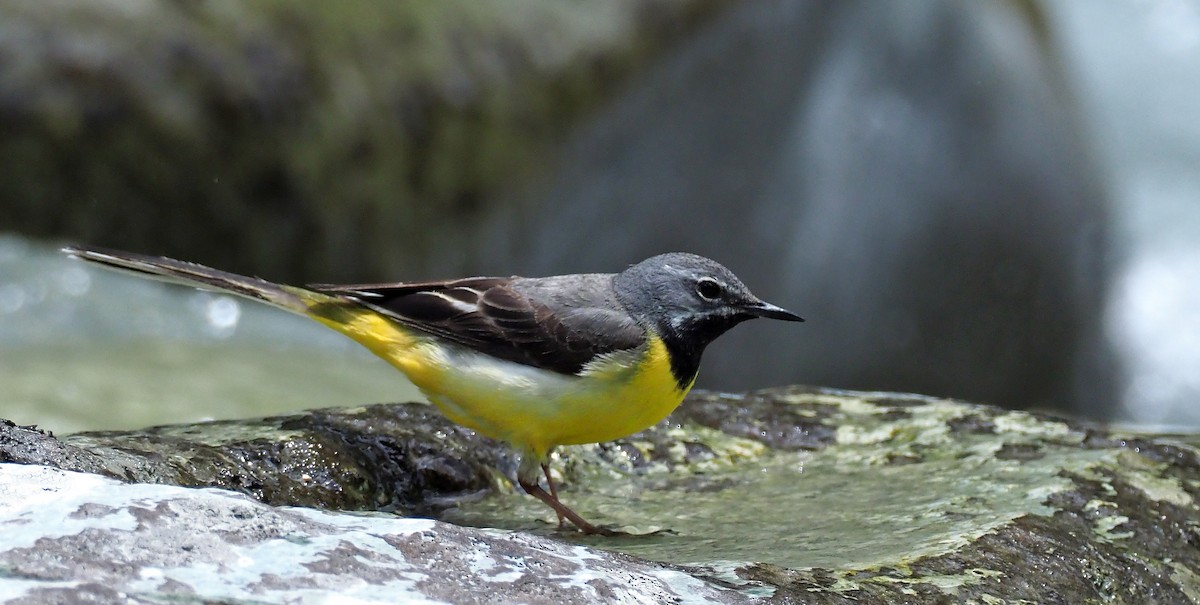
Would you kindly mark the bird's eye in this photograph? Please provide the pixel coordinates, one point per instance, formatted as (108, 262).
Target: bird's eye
(708, 289)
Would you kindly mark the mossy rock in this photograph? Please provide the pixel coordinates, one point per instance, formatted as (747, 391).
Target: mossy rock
(228, 132)
(802, 495)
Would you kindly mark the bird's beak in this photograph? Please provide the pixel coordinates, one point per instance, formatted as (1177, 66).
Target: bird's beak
(770, 311)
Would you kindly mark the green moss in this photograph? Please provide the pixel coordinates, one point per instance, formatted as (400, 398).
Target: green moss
(228, 131)
(880, 499)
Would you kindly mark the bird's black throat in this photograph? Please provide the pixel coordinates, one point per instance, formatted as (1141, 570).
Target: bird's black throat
(686, 340)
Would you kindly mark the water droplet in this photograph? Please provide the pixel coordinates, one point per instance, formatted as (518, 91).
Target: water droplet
(222, 313)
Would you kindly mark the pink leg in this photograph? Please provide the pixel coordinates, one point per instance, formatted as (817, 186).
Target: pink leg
(527, 478)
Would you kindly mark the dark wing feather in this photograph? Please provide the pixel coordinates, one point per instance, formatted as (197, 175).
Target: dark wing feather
(557, 324)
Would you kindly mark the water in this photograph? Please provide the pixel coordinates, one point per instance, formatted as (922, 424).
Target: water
(836, 509)
(1136, 67)
(85, 348)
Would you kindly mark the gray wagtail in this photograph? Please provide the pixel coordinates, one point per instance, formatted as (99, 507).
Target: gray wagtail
(534, 362)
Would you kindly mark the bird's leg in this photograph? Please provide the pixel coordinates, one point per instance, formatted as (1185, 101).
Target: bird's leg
(527, 478)
(553, 490)
(535, 490)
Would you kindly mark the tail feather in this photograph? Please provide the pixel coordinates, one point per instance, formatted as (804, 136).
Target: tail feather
(161, 268)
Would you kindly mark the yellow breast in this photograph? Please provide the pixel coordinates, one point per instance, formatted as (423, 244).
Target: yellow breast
(534, 409)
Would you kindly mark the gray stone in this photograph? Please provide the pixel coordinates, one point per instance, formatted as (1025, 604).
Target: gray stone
(69, 537)
(239, 134)
(792, 494)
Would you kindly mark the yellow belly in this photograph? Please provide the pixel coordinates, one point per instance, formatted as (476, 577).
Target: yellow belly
(531, 408)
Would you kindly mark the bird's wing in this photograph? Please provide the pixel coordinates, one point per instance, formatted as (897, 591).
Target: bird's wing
(558, 324)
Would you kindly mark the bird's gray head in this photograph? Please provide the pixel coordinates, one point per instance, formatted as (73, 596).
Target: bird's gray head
(689, 301)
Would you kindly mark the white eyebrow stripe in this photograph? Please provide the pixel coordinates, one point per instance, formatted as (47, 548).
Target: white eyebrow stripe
(458, 305)
(675, 270)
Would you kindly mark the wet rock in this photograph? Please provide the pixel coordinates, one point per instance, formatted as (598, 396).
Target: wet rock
(238, 134)
(404, 457)
(890, 498)
(71, 537)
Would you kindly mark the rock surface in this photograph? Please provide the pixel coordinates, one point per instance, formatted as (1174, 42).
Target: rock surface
(69, 538)
(232, 132)
(890, 498)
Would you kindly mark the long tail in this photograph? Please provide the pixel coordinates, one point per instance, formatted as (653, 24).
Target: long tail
(289, 298)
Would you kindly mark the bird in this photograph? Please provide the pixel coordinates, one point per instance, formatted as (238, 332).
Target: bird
(536, 363)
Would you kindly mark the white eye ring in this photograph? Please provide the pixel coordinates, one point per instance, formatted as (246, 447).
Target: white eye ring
(709, 288)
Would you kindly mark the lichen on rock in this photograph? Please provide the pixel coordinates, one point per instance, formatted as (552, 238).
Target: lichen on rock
(795, 494)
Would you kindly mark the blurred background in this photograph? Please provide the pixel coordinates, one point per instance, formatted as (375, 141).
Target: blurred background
(995, 201)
